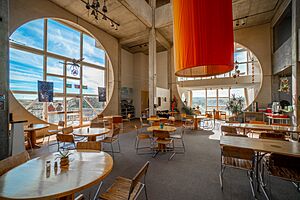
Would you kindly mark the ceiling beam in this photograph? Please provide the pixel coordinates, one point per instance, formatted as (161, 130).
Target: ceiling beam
(135, 37)
(162, 40)
(140, 9)
(164, 16)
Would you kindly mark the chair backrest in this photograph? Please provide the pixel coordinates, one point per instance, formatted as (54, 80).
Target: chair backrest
(153, 116)
(67, 130)
(137, 178)
(155, 123)
(64, 137)
(90, 145)
(116, 132)
(13, 161)
(227, 129)
(256, 122)
(100, 116)
(161, 134)
(284, 161)
(240, 153)
(273, 136)
(163, 121)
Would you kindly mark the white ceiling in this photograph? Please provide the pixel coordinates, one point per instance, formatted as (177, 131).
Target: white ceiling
(257, 12)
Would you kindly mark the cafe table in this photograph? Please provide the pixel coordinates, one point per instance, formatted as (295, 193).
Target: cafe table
(156, 119)
(158, 128)
(31, 181)
(31, 131)
(90, 133)
(262, 146)
(198, 119)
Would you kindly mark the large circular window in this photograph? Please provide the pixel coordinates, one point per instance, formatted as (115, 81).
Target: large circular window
(214, 92)
(63, 58)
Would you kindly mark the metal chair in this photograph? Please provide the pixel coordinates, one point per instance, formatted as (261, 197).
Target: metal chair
(179, 136)
(88, 146)
(65, 138)
(114, 137)
(48, 134)
(125, 189)
(239, 158)
(164, 141)
(143, 124)
(142, 137)
(281, 166)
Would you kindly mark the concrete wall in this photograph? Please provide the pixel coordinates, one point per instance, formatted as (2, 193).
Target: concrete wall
(162, 69)
(127, 69)
(163, 93)
(258, 40)
(24, 11)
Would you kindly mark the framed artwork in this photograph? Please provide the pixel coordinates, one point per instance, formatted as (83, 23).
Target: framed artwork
(102, 94)
(45, 91)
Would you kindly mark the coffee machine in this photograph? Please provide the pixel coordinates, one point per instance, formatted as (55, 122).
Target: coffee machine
(276, 107)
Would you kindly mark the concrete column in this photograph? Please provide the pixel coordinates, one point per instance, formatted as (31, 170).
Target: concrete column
(152, 62)
(295, 63)
(4, 82)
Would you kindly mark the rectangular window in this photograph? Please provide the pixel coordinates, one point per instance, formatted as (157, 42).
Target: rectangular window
(211, 93)
(55, 66)
(91, 53)
(199, 99)
(92, 79)
(58, 83)
(63, 40)
(26, 69)
(73, 86)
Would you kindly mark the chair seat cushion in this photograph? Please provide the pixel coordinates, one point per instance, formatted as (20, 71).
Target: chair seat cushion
(119, 190)
(239, 163)
(108, 140)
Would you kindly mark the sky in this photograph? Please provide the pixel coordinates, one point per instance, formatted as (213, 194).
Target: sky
(27, 68)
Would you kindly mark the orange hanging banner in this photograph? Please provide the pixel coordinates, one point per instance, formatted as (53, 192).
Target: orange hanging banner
(203, 37)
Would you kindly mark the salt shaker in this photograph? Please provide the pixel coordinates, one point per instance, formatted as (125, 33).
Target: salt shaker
(48, 168)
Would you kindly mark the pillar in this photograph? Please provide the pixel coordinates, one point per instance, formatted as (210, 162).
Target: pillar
(4, 81)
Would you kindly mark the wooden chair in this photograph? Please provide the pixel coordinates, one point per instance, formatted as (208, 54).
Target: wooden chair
(153, 116)
(110, 139)
(228, 130)
(143, 124)
(127, 189)
(155, 123)
(239, 158)
(255, 131)
(90, 145)
(281, 166)
(68, 130)
(163, 140)
(64, 138)
(60, 125)
(273, 136)
(26, 137)
(13, 161)
(142, 137)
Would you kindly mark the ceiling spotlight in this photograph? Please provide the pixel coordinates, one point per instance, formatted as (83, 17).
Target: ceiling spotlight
(104, 8)
(237, 23)
(116, 27)
(243, 21)
(87, 6)
(93, 12)
(112, 24)
(104, 17)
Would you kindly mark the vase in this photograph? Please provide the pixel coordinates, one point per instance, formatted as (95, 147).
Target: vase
(64, 162)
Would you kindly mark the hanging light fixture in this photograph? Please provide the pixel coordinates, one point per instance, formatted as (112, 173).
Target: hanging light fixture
(203, 37)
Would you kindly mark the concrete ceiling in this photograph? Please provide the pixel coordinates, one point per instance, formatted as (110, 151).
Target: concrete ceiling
(133, 28)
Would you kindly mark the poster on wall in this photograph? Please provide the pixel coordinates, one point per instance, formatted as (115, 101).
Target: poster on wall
(102, 94)
(45, 91)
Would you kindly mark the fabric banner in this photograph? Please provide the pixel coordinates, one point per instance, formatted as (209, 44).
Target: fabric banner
(45, 91)
(102, 94)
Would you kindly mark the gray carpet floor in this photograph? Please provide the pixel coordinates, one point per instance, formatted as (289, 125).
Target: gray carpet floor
(192, 176)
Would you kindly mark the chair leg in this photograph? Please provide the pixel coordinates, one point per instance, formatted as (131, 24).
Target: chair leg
(137, 147)
(29, 141)
(119, 146)
(112, 149)
(145, 188)
(183, 144)
(221, 176)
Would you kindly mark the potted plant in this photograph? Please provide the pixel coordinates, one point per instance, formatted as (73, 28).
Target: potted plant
(235, 105)
(64, 158)
(187, 110)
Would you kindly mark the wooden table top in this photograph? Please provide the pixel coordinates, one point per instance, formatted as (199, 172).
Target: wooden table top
(36, 127)
(264, 127)
(263, 145)
(165, 128)
(90, 132)
(200, 117)
(29, 181)
(156, 118)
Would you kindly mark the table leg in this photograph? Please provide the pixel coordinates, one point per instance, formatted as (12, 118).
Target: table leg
(69, 197)
(92, 138)
(32, 137)
(256, 171)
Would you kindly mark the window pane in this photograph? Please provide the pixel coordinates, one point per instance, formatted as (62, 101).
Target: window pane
(55, 66)
(92, 78)
(72, 104)
(211, 101)
(91, 53)
(25, 70)
(91, 107)
(63, 40)
(30, 34)
(56, 110)
(199, 99)
(223, 92)
(58, 83)
(240, 56)
(243, 69)
(222, 101)
(238, 92)
(73, 86)
(31, 104)
(211, 93)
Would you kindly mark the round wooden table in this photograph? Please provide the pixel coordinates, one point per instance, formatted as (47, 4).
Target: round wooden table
(165, 128)
(198, 119)
(30, 180)
(90, 133)
(31, 130)
(156, 119)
